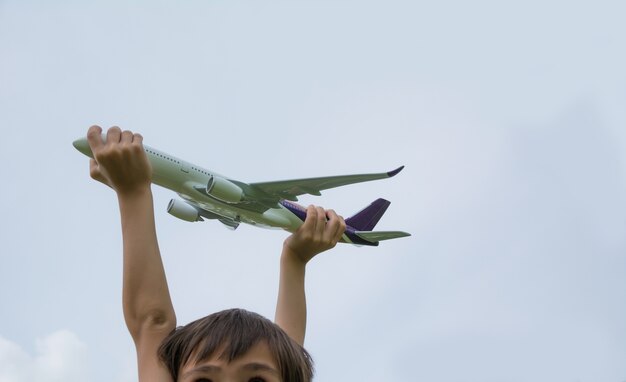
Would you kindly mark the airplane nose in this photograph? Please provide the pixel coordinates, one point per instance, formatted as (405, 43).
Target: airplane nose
(82, 146)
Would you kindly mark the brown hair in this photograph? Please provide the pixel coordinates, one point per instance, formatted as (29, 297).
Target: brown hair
(236, 331)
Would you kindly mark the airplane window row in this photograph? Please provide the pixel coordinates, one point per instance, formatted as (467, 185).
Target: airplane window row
(175, 161)
(163, 156)
(202, 171)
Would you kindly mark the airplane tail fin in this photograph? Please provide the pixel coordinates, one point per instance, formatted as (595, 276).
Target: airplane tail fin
(364, 222)
(367, 218)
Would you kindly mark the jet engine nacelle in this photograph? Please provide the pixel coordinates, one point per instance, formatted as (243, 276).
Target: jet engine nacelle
(224, 190)
(183, 211)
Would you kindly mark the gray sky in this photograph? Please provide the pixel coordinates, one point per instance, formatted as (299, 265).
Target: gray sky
(509, 117)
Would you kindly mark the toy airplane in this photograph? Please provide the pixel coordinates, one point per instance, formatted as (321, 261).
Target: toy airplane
(209, 195)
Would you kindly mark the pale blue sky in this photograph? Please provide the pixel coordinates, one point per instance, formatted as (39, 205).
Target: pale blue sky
(509, 117)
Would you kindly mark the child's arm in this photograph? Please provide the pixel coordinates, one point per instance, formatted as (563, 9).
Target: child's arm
(316, 235)
(122, 164)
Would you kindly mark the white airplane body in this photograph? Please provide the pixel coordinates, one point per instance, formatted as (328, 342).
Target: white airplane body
(269, 204)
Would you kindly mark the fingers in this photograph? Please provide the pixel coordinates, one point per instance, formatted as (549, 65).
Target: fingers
(126, 137)
(324, 226)
(315, 221)
(320, 231)
(336, 226)
(320, 224)
(94, 138)
(114, 134)
(137, 144)
(311, 219)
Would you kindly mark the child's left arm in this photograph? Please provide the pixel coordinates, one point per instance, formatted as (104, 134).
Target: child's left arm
(321, 231)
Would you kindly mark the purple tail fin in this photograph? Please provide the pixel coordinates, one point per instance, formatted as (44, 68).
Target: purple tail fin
(366, 219)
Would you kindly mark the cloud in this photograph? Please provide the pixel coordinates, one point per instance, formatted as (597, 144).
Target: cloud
(60, 356)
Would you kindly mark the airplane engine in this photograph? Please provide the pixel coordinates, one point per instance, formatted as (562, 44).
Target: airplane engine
(183, 211)
(224, 190)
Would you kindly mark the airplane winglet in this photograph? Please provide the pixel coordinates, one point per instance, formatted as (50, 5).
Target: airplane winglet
(395, 172)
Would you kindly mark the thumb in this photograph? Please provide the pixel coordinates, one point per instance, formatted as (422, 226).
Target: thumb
(95, 173)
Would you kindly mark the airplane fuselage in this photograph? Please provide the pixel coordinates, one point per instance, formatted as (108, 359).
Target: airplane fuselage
(181, 177)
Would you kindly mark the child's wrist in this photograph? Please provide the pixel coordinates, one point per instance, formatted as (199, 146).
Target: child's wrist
(291, 257)
(134, 193)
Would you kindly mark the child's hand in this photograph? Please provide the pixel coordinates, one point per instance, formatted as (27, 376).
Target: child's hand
(121, 162)
(321, 231)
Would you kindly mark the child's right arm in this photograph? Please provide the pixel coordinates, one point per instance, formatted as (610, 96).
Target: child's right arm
(122, 164)
(321, 231)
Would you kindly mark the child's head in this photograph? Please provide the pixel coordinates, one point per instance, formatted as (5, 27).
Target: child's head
(229, 335)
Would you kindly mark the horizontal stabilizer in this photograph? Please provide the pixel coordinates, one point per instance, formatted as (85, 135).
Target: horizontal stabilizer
(376, 236)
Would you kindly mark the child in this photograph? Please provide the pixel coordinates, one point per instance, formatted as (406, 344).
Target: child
(233, 345)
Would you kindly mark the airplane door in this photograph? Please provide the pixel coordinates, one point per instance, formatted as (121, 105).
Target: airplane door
(184, 167)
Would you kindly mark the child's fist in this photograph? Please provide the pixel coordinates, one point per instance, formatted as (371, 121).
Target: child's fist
(321, 231)
(121, 161)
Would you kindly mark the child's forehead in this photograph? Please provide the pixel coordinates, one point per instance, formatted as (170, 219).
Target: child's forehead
(259, 350)
(258, 356)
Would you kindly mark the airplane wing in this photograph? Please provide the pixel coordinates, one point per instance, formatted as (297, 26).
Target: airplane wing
(290, 189)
